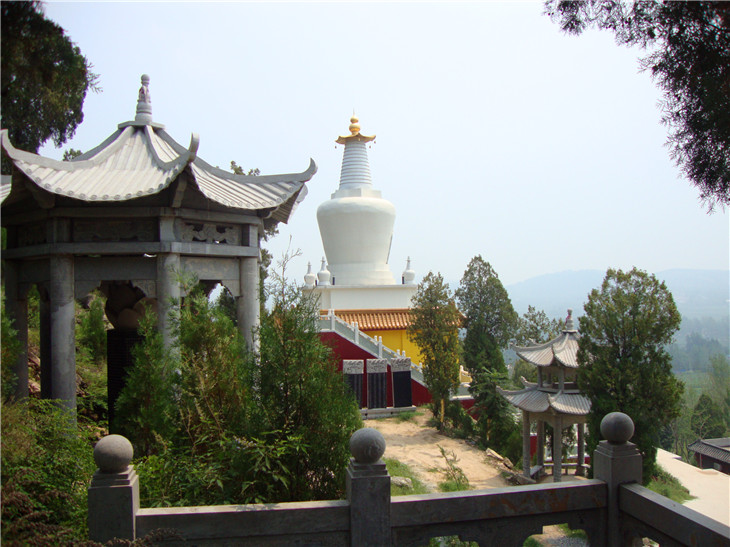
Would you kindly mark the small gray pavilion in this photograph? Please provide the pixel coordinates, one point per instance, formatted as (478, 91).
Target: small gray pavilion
(127, 217)
(554, 399)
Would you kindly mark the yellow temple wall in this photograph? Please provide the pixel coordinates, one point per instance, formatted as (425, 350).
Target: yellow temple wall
(397, 340)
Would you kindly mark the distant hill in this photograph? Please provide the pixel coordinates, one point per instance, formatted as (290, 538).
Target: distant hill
(698, 293)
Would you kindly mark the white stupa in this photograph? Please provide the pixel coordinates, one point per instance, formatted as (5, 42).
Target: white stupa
(356, 226)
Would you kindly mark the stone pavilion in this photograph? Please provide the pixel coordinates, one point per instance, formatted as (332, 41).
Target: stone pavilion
(554, 399)
(127, 217)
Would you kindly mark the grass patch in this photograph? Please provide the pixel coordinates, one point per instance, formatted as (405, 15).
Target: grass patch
(399, 469)
(408, 416)
(665, 484)
(531, 542)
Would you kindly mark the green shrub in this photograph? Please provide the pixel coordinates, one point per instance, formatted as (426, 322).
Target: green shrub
(215, 424)
(456, 480)
(91, 330)
(46, 469)
(668, 486)
(9, 350)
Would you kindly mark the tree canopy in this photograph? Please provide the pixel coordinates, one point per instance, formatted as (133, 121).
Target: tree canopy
(624, 365)
(490, 320)
(434, 328)
(44, 78)
(690, 61)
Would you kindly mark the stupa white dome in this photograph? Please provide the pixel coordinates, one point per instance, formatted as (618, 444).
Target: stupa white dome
(356, 224)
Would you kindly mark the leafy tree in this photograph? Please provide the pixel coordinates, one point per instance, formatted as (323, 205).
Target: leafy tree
(707, 418)
(489, 318)
(434, 328)
(490, 322)
(536, 327)
(690, 60)
(44, 77)
(624, 365)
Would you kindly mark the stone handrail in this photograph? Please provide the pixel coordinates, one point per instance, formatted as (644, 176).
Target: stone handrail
(612, 508)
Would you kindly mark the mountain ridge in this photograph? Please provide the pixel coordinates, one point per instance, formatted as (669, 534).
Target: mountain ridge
(697, 293)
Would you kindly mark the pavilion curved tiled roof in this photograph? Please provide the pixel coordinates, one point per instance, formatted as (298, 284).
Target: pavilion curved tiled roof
(533, 399)
(141, 159)
(562, 350)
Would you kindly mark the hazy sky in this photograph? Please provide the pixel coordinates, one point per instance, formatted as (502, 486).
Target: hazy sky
(496, 134)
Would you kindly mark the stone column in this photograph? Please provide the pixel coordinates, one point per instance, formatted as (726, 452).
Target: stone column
(114, 491)
(580, 470)
(168, 293)
(616, 461)
(16, 305)
(247, 305)
(44, 321)
(368, 490)
(558, 449)
(526, 443)
(63, 338)
(541, 443)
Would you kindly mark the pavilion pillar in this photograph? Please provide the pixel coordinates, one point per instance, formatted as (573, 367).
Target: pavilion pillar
(44, 327)
(558, 449)
(247, 304)
(16, 305)
(541, 443)
(526, 443)
(63, 338)
(168, 293)
(580, 470)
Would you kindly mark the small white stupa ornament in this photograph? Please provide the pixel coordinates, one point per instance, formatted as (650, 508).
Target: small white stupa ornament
(323, 275)
(408, 274)
(309, 278)
(356, 225)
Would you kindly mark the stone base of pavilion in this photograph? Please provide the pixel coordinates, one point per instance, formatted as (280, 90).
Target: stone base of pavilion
(568, 475)
(570, 471)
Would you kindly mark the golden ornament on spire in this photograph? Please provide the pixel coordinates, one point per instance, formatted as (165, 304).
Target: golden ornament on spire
(355, 133)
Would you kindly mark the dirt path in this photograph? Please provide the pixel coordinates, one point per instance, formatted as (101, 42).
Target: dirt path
(417, 446)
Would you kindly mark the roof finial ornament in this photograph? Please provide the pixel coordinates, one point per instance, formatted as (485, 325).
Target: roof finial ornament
(354, 126)
(354, 132)
(144, 103)
(569, 325)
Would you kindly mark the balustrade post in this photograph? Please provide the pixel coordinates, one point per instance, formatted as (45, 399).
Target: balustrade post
(368, 490)
(616, 461)
(114, 491)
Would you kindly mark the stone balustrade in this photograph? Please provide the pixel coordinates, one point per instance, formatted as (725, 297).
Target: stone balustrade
(612, 508)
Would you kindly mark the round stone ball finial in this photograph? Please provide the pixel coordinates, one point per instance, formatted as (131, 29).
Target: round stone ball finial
(617, 427)
(113, 454)
(145, 79)
(367, 445)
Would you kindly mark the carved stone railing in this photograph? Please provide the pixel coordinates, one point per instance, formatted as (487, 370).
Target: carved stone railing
(612, 508)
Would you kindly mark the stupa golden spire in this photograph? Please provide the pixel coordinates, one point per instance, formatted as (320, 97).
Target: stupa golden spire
(355, 134)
